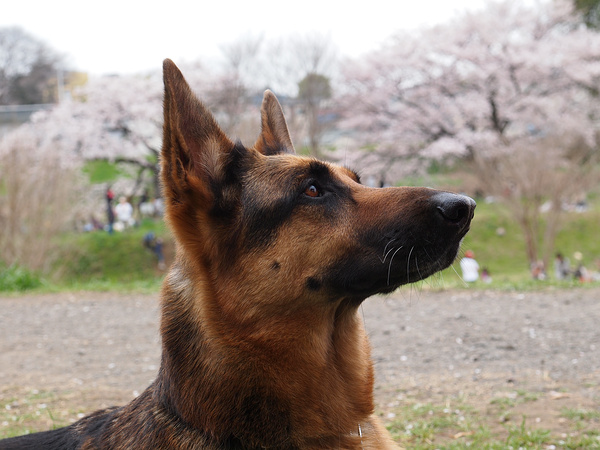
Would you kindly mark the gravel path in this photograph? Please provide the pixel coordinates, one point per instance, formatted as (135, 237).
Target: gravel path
(107, 340)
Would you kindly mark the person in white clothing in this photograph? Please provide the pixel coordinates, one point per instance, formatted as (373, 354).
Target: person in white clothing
(469, 267)
(124, 212)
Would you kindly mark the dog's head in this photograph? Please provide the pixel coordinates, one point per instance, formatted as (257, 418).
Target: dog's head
(290, 227)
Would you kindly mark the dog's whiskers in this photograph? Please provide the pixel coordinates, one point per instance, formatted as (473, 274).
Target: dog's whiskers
(459, 276)
(390, 266)
(384, 251)
(428, 255)
(408, 265)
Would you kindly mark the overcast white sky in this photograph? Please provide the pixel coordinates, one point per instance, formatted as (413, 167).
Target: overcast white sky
(124, 36)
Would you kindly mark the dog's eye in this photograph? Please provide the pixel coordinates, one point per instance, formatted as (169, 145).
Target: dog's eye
(312, 191)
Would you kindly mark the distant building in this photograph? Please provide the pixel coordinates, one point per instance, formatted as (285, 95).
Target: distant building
(11, 116)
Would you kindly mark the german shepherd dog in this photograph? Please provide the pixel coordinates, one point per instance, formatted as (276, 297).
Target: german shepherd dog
(262, 343)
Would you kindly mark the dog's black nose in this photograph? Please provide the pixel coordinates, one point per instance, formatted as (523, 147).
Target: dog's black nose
(455, 209)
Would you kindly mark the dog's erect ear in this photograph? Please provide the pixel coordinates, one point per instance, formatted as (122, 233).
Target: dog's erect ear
(194, 145)
(274, 136)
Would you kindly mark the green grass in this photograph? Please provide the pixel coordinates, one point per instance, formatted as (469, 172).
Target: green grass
(102, 171)
(580, 414)
(15, 278)
(96, 261)
(144, 286)
(419, 424)
(26, 414)
(456, 424)
(105, 258)
(520, 436)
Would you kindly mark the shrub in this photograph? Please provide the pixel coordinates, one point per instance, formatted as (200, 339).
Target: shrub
(16, 278)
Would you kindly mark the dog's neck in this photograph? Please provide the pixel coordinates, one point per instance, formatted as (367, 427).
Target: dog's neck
(273, 385)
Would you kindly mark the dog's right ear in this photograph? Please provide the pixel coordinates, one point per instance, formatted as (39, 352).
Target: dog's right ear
(194, 146)
(274, 135)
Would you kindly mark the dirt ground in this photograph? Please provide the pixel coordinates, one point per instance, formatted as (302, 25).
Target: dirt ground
(102, 348)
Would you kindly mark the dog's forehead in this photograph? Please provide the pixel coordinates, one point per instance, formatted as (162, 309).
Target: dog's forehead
(305, 165)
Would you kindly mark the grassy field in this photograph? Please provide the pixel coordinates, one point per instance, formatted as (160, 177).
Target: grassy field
(503, 254)
(451, 423)
(498, 425)
(98, 261)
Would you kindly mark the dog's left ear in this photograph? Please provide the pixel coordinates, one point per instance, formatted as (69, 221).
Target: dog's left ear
(194, 146)
(274, 136)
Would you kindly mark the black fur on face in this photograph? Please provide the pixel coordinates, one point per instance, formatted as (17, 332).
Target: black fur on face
(268, 192)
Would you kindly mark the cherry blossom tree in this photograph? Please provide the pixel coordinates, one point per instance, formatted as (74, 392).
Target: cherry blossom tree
(116, 119)
(119, 118)
(503, 89)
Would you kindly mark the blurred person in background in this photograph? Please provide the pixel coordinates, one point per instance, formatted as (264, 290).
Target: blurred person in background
(469, 267)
